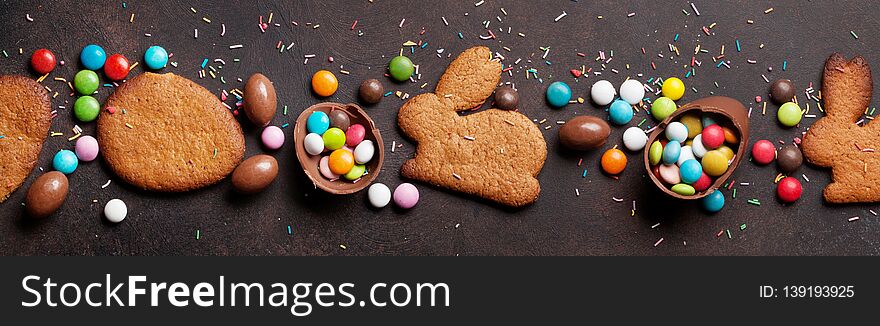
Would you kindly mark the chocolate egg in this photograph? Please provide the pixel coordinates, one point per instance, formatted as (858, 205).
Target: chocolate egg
(255, 174)
(260, 100)
(339, 119)
(46, 194)
(584, 133)
(506, 98)
(371, 91)
(782, 90)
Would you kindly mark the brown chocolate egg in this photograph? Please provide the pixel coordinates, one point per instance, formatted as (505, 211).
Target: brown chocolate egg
(260, 101)
(255, 174)
(584, 133)
(46, 194)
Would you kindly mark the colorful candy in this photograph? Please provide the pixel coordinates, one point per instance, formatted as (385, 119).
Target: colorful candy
(714, 201)
(406, 195)
(687, 153)
(727, 151)
(318, 122)
(697, 146)
(115, 210)
(117, 67)
(693, 124)
(156, 57)
(602, 92)
(341, 161)
(676, 131)
(712, 136)
(670, 173)
(334, 138)
(506, 98)
(401, 68)
(673, 88)
(714, 163)
(324, 83)
(272, 137)
(789, 158)
(364, 151)
(355, 134)
(379, 195)
(763, 152)
(662, 108)
(339, 119)
(655, 153)
(65, 161)
(43, 61)
(620, 112)
(789, 189)
(671, 152)
(683, 189)
(703, 182)
(690, 171)
(613, 161)
(789, 114)
(93, 57)
(313, 144)
(558, 94)
(729, 136)
(324, 168)
(86, 82)
(371, 91)
(632, 91)
(86, 108)
(634, 139)
(355, 172)
(86, 148)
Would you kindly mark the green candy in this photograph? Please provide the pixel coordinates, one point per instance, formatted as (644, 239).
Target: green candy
(86, 82)
(655, 153)
(683, 189)
(86, 108)
(789, 114)
(334, 138)
(401, 68)
(356, 172)
(662, 108)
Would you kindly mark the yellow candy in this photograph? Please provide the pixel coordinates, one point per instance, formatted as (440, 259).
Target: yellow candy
(714, 163)
(728, 153)
(673, 88)
(695, 126)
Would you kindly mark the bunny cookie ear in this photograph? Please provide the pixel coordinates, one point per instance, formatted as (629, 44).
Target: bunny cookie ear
(470, 79)
(846, 87)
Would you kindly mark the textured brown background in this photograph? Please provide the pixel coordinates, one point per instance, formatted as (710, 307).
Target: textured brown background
(804, 33)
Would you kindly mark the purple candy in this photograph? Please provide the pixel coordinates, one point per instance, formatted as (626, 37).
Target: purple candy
(406, 195)
(86, 148)
(273, 137)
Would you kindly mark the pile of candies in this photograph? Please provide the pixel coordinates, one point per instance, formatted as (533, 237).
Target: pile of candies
(406, 195)
(788, 158)
(694, 150)
(334, 133)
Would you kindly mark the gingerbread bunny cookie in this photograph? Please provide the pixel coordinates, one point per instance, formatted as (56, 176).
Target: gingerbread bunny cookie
(836, 141)
(494, 154)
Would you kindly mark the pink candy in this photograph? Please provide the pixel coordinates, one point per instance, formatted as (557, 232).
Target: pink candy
(273, 137)
(354, 135)
(86, 148)
(324, 167)
(405, 195)
(713, 136)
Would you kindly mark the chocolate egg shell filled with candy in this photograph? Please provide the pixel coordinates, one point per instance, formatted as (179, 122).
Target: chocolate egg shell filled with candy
(311, 163)
(726, 111)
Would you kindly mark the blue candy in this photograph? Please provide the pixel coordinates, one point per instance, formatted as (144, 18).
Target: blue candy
(318, 122)
(65, 161)
(714, 201)
(708, 121)
(93, 57)
(690, 171)
(558, 94)
(621, 112)
(671, 152)
(156, 57)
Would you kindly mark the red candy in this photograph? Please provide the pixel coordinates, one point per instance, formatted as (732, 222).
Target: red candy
(43, 61)
(116, 67)
(763, 152)
(713, 136)
(702, 183)
(354, 135)
(789, 189)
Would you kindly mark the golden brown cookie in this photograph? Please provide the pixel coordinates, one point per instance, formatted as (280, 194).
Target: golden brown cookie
(836, 141)
(494, 154)
(25, 117)
(163, 132)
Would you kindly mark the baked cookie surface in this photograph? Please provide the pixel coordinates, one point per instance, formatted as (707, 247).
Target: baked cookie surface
(25, 117)
(163, 132)
(494, 154)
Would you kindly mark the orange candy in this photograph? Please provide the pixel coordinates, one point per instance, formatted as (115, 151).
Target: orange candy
(341, 161)
(324, 83)
(613, 161)
(729, 136)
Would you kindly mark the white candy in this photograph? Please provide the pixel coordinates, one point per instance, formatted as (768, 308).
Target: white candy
(602, 92)
(686, 154)
(115, 210)
(632, 91)
(634, 139)
(313, 144)
(379, 195)
(677, 131)
(698, 148)
(364, 151)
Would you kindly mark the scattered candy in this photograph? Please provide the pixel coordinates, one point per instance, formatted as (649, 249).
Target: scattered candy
(763, 152)
(86, 82)
(115, 210)
(714, 201)
(93, 57)
(86, 108)
(620, 112)
(43, 61)
(673, 88)
(782, 91)
(789, 114)
(379, 195)
(260, 100)
(789, 189)
(789, 158)
(272, 137)
(65, 161)
(406, 195)
(86, 148)
(506, 98)
(371, 91)
(401, 68)
(632, 91)
(602, 92)
(324, 83)
(156, 57)
(662, 108)
(117, 67)
(613, 161)
(558, 94)
(635, 139)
